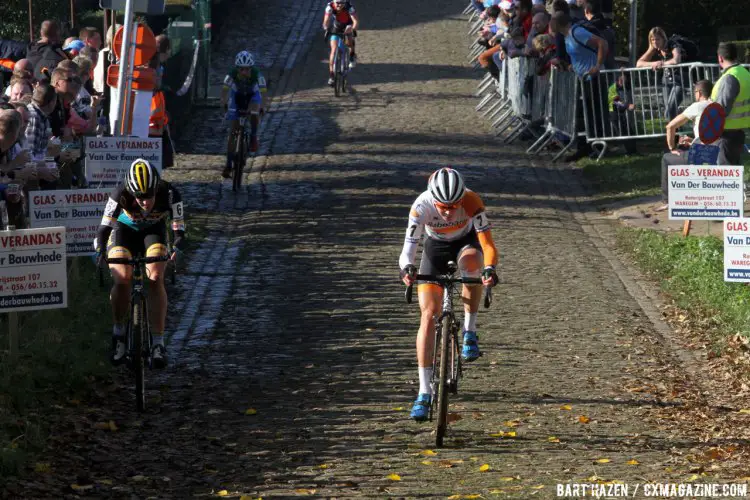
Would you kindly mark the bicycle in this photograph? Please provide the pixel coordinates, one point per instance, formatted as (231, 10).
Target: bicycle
(446, 362)
(240, 139)
(340, 66)
(138, 331)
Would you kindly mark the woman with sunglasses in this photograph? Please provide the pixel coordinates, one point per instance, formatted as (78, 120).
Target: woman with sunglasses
(458, 230)
(134, 223)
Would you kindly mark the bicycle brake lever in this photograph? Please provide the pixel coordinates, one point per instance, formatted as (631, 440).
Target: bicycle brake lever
(408, 293)
(487, 297)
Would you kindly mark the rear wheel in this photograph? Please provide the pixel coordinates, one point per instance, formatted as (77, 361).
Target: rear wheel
(139, 331)
(442, 386)
(336, 72)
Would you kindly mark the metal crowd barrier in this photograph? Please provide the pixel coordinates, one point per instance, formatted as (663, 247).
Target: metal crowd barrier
(561, 108)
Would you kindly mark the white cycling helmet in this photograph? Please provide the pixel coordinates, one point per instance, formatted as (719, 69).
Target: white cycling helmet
(244, 60)
(446, 186)
(142, 178)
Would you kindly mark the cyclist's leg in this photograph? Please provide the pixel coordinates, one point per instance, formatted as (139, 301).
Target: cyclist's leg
(470, 263)
(234, 123)
(351, 44)
(155, 242)
(334, 43)
(121, 244)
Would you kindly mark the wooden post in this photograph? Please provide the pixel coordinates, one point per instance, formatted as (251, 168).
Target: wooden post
(12, 325)
(686, 228)
(72, 14)
(31, 23)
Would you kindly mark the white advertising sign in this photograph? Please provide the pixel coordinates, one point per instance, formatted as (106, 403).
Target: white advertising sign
(705, 192)
(33, 269)
(108, 158)
(79, 210)
(737, 250)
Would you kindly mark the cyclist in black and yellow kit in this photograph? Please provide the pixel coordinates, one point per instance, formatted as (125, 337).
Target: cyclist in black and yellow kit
(134, 223)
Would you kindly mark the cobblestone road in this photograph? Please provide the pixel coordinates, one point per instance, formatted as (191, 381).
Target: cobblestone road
(292, 306)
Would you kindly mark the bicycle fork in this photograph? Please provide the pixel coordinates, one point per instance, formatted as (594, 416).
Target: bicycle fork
(455, 359)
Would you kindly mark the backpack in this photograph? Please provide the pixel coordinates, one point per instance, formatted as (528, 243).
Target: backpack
(607, 34)
(689, 48)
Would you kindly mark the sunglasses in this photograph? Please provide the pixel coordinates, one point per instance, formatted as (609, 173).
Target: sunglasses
(441, 206)
(71, 79)
(143, 197)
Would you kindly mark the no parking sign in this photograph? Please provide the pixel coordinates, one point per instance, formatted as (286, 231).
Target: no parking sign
(711, 123)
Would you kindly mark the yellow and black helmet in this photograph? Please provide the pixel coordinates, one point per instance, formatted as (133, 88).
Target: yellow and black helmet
(142, 178)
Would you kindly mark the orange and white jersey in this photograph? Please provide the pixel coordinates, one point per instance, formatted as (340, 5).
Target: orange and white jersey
(425, 218)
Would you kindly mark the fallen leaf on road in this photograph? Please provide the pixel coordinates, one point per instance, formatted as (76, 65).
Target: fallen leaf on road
(462, 497)
(537, 487)
(484, 468)
(251, 411)
(445, 464)
(584, 419)
(41, 467)
(473, 459)
(323, 466)
(511, 423)
(394, 477)
(692, 478)
(454, 417)
(632, 462)
(427, 462)
(508, 478)
(222, 493)
(81, 487)
(138, 478)
(428, 453)
(744, 410)
(215, 411)
(400, 408)
(602, 461)
(501, 434)
(553, 439)
(566, 407)
(303, 491)
(106, 426)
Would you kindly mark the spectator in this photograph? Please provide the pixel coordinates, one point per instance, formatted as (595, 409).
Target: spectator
(587, 55)
(523, 16)
(539, 26)
(732, 91)
(489, 30)
(576, 10)
(43, 103)
(18, 88)
(678, 153)
(21, 72)
(601, 27)
(516, 45)
(665, 53)
(159, 120)
(13, 169)
(83, 102)
(72, 47)
(622, 111)
(561, 54)
(21, 107)
(47, 51)
(91, 37)
(544, 47)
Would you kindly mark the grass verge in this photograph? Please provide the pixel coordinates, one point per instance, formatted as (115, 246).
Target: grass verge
(690, 270)
(62, 355)
(624, 176)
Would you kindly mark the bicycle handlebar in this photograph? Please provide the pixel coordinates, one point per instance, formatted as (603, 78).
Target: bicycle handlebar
(138, 260)
(446, 279)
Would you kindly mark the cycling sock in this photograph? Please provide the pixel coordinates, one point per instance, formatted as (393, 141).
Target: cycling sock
(157, 339)
(470, 322)
(425, 375)
(118, 330)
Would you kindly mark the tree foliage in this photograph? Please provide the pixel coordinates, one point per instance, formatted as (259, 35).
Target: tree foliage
(15, 16)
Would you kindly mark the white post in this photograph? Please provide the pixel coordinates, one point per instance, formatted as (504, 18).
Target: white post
(125, 71)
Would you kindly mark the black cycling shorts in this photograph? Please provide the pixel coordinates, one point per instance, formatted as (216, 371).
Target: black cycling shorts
(436, 254)
(126, 242)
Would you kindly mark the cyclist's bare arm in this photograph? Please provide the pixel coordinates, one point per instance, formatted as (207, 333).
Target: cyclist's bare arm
(355, 21)
(326, 20)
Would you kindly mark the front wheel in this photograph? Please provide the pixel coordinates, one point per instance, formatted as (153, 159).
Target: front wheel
(239, 161)
(443, 388)
(139, 332)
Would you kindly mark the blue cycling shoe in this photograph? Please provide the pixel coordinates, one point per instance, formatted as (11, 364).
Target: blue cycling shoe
(421, 409)
(470, 351)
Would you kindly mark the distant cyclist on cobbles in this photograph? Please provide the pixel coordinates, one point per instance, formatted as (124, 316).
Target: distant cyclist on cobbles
(241, 94)
(134, 224)
(458, 230)
(345, 23)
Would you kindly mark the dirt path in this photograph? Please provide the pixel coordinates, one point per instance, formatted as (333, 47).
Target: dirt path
(292, 307)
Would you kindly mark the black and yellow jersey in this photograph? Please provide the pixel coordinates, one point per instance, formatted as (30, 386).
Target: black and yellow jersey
(122, 207)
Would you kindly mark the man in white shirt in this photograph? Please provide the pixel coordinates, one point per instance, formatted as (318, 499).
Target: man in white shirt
(678, 153)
